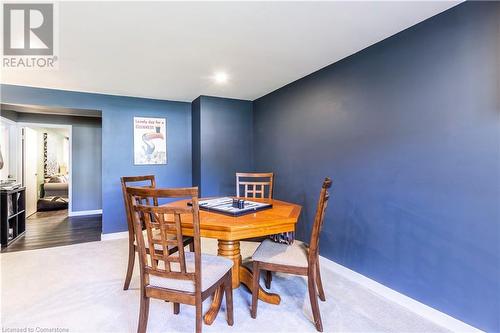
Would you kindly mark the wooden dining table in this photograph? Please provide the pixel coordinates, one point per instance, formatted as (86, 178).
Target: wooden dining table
(229, 230)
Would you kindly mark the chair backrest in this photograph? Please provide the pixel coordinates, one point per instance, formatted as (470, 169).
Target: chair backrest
(254, 185)
(149, 182)
(318, 219)
(163, 232)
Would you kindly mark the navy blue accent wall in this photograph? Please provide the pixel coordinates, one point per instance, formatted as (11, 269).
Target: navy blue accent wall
(409, 130)
(196, 142)
(224, 143)
(117, 139)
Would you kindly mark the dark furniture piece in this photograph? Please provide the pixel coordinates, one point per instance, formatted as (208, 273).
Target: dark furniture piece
(295, 259)
(51, 203)
(182, 277)
(53, 194)
(147, 182)
(13, 215)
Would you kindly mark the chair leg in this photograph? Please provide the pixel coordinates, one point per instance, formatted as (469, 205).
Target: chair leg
(314, 302)
(255, 288)
(143, 314)
(268, 279)
(229, 298)
(130, 266)
(176, 308)
(321, 292)
(199, 314)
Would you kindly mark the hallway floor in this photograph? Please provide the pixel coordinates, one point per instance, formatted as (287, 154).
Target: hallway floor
(56, 228)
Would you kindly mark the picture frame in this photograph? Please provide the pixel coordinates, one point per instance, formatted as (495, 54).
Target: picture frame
(150, 141)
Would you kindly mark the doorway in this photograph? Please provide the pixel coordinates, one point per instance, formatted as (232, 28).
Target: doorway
(46, 168)
(56, 154)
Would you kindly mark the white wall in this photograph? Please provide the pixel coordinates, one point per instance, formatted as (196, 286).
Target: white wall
(8, 144)
(4, 150)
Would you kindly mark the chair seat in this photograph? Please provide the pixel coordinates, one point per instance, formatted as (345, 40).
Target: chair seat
(212, 269)
(282, 254)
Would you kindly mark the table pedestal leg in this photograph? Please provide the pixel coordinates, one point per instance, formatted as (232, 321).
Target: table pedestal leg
(240, 274)
(231, 250)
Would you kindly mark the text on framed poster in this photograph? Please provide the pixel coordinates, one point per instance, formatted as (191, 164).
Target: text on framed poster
(150, 140)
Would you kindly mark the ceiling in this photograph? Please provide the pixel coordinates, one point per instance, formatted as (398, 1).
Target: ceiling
(171, 50)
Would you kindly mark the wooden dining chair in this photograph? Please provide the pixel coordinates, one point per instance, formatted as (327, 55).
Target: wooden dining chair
(149, 182)
(256, 185)
(180, 277)
(297, 259)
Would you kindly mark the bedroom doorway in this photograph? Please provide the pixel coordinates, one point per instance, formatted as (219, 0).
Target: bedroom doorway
(56, 154)
(46, 169)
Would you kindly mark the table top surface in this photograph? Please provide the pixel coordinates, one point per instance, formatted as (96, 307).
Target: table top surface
(282, 217)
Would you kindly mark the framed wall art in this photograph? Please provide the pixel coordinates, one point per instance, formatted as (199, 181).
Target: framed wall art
(150, 140)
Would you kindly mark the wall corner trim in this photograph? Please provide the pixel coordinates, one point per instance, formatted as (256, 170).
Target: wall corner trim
(85, 212)
(425, 311)
(114, 235)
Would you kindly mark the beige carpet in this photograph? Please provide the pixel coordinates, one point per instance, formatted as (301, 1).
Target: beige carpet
(79, 288)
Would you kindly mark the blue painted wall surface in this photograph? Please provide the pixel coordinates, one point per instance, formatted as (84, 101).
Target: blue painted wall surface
(409, 130)
(86, 155)
(196, 142)
(225, 142)
(117, 139)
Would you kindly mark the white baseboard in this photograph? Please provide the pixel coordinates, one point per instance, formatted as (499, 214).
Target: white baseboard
(85, 212)
(431, 314)
(114, 235)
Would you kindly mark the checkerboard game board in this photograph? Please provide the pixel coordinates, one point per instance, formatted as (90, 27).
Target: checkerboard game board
(224, 205)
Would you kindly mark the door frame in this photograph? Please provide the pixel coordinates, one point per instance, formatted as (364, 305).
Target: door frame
(70, 155)
(15, 146)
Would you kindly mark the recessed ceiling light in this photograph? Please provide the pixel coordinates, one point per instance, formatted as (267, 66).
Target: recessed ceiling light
(220, 77)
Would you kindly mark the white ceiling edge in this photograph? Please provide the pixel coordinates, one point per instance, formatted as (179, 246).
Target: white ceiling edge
(453, 3)
(447, 4)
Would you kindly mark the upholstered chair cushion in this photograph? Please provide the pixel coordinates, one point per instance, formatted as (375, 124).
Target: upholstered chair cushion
(212, 269)
(282, 254)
